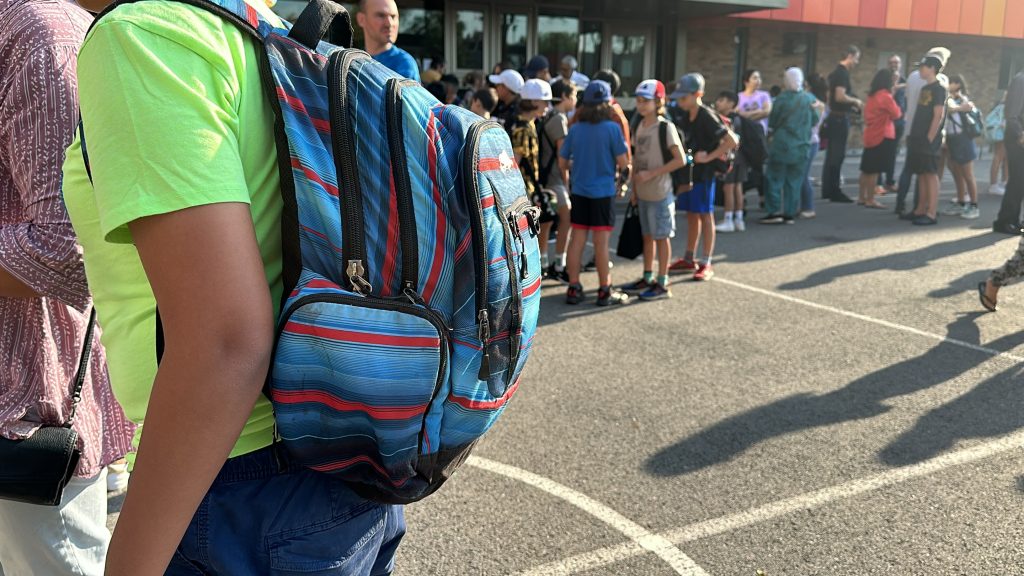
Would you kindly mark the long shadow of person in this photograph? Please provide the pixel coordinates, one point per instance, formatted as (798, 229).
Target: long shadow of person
(907, 260)
(862, 398)
(993, 408)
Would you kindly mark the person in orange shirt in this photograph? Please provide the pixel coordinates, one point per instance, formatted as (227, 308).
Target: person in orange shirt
(879, 136)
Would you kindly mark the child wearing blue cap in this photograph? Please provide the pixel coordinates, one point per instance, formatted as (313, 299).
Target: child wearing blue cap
(596, 148)
(711, 142)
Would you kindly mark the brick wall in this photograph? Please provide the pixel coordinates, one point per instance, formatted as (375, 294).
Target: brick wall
(710, 47)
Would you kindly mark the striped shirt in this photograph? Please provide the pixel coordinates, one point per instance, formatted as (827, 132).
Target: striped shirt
(41, 338)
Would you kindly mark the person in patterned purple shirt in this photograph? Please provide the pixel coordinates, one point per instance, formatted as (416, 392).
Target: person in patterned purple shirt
(44, 299)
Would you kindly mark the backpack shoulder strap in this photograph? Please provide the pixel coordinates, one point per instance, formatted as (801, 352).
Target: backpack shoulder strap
(666, 152)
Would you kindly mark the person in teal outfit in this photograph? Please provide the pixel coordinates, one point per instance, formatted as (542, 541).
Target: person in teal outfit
(792, 118)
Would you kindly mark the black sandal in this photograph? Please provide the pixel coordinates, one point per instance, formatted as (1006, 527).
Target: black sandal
(985, 301)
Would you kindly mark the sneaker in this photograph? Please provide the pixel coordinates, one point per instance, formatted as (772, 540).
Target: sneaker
(788, 220)
(740, 225)
(656, 292)
(557, 275)
(970, 212)
(954, 208)
(574, 295)
(704, 272)
(117, 476)
(607, 296)
(997, 189)
(808, 214)
(640, 285)
(725, 226)
(771, 219)
(681, 266)
(924, 220)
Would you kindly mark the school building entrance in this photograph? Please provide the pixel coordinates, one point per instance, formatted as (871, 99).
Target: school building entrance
(637, 38)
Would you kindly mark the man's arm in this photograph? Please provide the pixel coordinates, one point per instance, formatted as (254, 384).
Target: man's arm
(933, 130)
(841, 97)
(38, 116)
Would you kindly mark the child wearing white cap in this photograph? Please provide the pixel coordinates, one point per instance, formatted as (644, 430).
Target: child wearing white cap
(508, 84)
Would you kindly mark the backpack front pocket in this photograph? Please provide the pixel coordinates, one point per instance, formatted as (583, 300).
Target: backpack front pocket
(353, 381)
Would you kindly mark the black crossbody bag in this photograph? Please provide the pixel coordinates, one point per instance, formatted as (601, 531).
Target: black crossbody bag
(36, 470)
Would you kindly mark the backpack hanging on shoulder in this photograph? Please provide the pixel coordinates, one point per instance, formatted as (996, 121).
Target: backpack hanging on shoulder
(682, 179)
(411, 262)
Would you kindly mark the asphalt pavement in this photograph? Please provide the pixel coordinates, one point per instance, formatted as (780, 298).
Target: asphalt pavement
(833, 402)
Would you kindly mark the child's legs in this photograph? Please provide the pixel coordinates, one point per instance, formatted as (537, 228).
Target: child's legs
(737, 193)
(648, 253)
(545, 233)
(692, 232)
(664, 255)
(958, 180)
(577, 242)
(564, 226)
(730, 200)
(708, 236)
(929, 193)
(998, 157)
(967, 176)
(601, 256)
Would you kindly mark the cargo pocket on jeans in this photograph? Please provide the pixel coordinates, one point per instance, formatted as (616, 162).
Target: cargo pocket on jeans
(348, 544)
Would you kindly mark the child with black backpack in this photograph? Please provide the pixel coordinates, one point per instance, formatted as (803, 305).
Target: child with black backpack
(653, 188)
(732, 181)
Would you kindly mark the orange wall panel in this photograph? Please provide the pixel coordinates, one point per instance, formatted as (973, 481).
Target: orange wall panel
(971, 12)
(795, 11)
(1014, 25)
(845, 13)
(924, 15)
(897, 16)
(819, 11)
(948, 17)
(993, 17)
(872, 13)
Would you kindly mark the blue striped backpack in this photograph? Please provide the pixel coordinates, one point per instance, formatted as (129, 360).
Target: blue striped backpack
(411, 262)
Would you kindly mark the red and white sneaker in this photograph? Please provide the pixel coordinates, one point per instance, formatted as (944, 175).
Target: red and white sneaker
(704, 272)
(682, 266)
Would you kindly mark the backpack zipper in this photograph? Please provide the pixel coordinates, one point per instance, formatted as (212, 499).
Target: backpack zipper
(408, 235)
(471, 188)
(343, 145)
(510, 227)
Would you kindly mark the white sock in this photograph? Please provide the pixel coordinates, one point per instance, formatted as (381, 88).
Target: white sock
(738, 216)
(560, 262)
(728, 216)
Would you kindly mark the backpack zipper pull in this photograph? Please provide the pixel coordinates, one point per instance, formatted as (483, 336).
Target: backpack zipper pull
(484, 333)
(355, 272)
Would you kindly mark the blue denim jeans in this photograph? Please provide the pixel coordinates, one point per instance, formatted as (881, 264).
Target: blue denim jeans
(265, 515)
(807, 190)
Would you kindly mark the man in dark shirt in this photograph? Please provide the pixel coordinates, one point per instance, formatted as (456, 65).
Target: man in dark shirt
(924, 143)
(841, 105)
(711, 142)
(900, 95)
(1008, 221)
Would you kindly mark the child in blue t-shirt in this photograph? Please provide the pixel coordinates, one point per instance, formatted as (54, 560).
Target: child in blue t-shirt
(596, 148)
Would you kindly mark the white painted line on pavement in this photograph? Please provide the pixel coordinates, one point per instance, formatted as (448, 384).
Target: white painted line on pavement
(642, 539)
(887, 324)
(808, 501)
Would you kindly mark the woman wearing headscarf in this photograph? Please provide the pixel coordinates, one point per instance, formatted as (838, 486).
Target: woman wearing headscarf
(792, 119)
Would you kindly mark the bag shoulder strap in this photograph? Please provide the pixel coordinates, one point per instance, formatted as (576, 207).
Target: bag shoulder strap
(666, 153)
(83, 367)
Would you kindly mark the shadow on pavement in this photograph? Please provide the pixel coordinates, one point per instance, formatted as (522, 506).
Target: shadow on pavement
(994, 407)
(908, 260)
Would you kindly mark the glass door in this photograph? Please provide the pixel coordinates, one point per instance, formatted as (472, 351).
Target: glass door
(629, 53)
(468, 42)
(513, 38)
